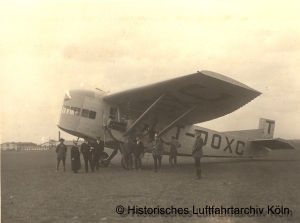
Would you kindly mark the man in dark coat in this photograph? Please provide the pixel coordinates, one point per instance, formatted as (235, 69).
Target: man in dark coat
(128, 151)
(87, 155)
(138, 152)
(61, 151)
(98, 148)
(173, 151)
(75, 158)
(197, 152)
(157, 152)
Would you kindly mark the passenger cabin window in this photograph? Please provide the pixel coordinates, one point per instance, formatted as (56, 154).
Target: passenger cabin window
(92, 115)
(113, 113)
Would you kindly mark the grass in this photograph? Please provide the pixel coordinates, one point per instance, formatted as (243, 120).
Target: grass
(33, 192)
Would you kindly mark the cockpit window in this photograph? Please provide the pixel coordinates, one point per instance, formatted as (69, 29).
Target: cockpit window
(73, 110)
(85, 113)
(65, 109)
(76, 111)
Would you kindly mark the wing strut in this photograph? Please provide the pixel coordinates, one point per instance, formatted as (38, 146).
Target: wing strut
(138, 121)
(175, 122)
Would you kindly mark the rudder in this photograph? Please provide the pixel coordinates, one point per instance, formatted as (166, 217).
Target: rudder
(268, 127)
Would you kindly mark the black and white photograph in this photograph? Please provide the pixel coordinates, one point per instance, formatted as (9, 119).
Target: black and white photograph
(150, 111)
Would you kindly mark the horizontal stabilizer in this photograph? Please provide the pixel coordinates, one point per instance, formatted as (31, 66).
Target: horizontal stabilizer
(274, 144)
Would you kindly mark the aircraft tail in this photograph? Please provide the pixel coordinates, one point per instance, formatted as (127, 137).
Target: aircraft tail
(263, 137)
(268, 127)
(265, 130)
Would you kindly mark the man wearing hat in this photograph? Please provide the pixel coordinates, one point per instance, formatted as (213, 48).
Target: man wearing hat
(128, 148)
(138, 152)
(173, 151)
(61, 150)
(87, 155)
(98, 146)
(197, 152)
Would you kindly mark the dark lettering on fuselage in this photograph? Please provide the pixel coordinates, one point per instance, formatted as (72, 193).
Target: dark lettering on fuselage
(228, 145)
(237, 148)
(217, 140)
(270, 125)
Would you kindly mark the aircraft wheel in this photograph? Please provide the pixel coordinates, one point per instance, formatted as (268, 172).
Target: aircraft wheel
(102, 161)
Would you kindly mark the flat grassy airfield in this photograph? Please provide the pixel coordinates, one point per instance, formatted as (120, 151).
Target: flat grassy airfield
(31, 190)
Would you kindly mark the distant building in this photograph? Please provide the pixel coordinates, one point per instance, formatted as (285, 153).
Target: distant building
(24, 146)
(17, 146)
(69, 143)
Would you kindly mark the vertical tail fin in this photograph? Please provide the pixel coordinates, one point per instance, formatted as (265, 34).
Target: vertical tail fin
(268, 127)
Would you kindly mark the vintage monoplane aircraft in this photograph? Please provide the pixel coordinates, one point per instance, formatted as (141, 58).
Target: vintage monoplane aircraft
(170, 108)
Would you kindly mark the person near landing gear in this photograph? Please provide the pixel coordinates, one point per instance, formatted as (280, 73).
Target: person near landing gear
(98, 146)
(197, 153)
(157, 152)
(138, 152)
(87, 155)
(128, 150)
(173, 151)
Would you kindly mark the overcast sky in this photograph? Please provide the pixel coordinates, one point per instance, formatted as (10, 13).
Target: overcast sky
(48, 47)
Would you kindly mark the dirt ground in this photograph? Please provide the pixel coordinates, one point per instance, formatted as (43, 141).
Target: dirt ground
(31, 190)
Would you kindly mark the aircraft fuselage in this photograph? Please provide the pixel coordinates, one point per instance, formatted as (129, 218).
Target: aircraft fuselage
(85, 113)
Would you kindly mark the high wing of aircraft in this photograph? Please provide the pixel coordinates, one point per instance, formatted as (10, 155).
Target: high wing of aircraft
(212, 94)
(170, 107)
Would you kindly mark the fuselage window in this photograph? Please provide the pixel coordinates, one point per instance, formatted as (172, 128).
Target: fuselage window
(68, 110)
(92, 115)
(113, 113)
(85, 113)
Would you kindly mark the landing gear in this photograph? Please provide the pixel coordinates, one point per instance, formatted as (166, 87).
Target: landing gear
(106, 161)
(102, 162)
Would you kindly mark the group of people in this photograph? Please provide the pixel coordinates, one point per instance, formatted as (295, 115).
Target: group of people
(197, 152)
(92, 153)
(133, 148)
(136, 150)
